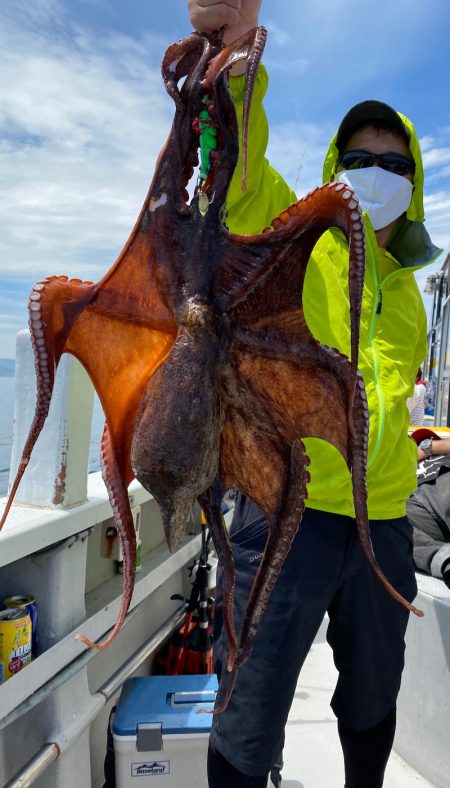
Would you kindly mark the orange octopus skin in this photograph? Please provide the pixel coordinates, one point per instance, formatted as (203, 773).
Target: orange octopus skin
(185, 335)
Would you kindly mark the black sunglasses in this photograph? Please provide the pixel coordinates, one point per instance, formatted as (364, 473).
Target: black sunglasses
(392, 162)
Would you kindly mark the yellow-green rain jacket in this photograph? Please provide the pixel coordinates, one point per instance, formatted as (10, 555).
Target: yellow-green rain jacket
(393, 334)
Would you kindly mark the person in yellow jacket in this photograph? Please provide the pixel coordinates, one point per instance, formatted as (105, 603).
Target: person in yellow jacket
(377, 153)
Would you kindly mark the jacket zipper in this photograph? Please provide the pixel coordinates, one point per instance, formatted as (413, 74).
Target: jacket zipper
(376, 366)
(377, 309)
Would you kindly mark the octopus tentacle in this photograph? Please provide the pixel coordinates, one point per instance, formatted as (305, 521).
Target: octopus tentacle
(211, 505)
(265, 272)
(359, 463)
(250, 46)
(120, 505)
(282, 532)
(224, 693)
(292, 420)
(253, 60)
(356, 241)
(281, 535)
(177, 62)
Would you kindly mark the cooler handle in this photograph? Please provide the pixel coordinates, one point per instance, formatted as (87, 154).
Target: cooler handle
(191, 698)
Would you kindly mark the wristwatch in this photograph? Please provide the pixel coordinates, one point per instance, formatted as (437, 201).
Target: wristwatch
(425, 445)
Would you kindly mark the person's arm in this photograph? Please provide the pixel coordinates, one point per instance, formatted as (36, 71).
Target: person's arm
(267, 193)
(438, 448)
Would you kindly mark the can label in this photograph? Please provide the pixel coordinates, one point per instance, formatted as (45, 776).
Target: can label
(28, 602)
(15, 642)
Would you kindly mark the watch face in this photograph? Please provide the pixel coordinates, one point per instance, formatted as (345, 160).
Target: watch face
(426, 445)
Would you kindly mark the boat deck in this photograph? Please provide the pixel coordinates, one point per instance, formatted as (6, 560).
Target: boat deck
(312, 754)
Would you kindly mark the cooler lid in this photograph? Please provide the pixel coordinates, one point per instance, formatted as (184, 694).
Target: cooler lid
(171, 701)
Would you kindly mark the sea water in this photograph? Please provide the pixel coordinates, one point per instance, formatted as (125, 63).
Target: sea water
(7, 427)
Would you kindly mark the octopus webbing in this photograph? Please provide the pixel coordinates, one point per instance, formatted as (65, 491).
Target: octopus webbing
(195, 341)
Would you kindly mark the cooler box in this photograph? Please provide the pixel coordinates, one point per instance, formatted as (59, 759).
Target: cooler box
(159, 740)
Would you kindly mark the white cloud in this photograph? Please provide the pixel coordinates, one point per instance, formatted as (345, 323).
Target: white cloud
(82, 122)
(277, 34)
(436, 157)
(298, 66)
(436, 160)
(437, 211)
(297, 151)
(426, 143)
(6, 319)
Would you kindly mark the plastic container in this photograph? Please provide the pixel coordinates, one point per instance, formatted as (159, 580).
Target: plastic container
(158, 736)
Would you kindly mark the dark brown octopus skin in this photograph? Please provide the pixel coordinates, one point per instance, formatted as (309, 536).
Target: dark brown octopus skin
(197, 345)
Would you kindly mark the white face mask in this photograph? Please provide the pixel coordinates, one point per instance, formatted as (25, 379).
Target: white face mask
(382, 194)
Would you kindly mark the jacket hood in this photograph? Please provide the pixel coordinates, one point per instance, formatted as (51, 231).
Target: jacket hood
(421, 251)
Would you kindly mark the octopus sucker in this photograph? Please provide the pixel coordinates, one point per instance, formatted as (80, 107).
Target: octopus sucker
(124, 521)
(196, 338)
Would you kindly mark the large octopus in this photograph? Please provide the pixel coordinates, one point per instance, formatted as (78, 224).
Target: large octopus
(197, 345)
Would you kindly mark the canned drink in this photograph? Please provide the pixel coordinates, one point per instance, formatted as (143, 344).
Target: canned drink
(15, 642)
(28, 602)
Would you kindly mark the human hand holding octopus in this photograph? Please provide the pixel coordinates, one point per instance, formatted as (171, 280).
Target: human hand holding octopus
(236, 16)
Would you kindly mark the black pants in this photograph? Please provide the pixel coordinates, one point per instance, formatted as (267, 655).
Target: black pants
(365, 757)
(325, 571)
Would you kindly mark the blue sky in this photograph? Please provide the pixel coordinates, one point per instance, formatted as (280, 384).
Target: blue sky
(84, 114)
